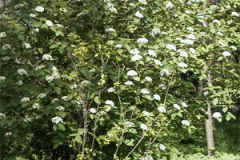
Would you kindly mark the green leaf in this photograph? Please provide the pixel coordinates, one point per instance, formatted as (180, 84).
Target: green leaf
(61, 126)
(215, 101)
(61, 114)
(97, 100)
(129, 142)
(225, 110)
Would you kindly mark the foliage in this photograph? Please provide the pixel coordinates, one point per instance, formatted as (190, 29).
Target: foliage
(91, 79)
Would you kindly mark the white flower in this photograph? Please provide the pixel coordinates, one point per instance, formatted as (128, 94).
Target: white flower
(49, 79)
(2, 34)
(192, 50)
(186, 122)
(169, 5)
(171, 47)
(20, 82)
(39, 9)
(182, 65)
(63, 10)
(119, 46)
(138, 14)
(162, 147)
(147, 157)
(35, 106)
(2, 115)
(220, 33)
(164, 33)
(187, 41)
(143, 127)
(93, 110)
(113, 9)
(226, 53)
(27, 45)
(184, 104)
(132, 4)
(164, 71)
(183, 53)
(65, 98)
(228, 6)
(191, 36)
(22, 72)
(142, 1)
(149, 79)
(47, 57)
(134, 51)
(234, 48)
(2, 79)
(222, 43)
(235, 14)
(131, 73)
(161, 109)
(142, 41)
(8, 134)
(146, 113)
(129, 124)
(176, 106)
(157, 97)
(145, 91)
(110, 30)
(216, 21)
(36, 29)
(136, 57)
(25, 99)
(109, 102)
(128, 83)
(57, 120)
(6, 58)
(188, 12)
(103, 113)
(6, 46)
(157, 62)
(54, 100)
(32, 15)
(60, 108)
(155, 31)
(216, 115)
(41, 95)
(111, 90)
(152, 53)
(200, 16)
(40, 67)
(162, 86)
(49, 23)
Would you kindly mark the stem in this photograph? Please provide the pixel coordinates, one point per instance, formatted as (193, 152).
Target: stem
(140, 140)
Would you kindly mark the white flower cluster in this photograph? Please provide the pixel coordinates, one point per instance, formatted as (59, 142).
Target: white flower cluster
(162, 147)
(47, 57)
(2, 79)
(32, 15)
(152, 53)
(111, 89)
(142, 41)
(65, 98)
(216, 115)
(60, 108)
(161, 109)
(148, 79)
(54, 75)
(110, 30)
(171, 47)
(142, 1)
(2, 115)
(129, 83)
(109, 102)
(183, 53)
(144, 127)
(36, 106)
(49, 23)
(92, 110)
(146, 113)
(186, 122)
(22, 72)
(63, 10)
(164, 71)
(146, 157)
(132, 73)
(39, 9)
(41, 95)
(25, 99)
(6, 58)
(129, 124)
(169, 5)
(138, 14)
(2, 34)
(145, 91)
(40, 67)
(176, 106)
(226, 54)
(112, 8)
(155, 31)
(6, 46)
(57, 120)
(27, 45)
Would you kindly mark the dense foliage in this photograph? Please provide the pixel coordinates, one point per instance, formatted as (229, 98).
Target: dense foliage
(105, 79)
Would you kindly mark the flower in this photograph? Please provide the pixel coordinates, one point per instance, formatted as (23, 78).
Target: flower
(8, 134)
(131, 73)
(146, 157)
(111, 90)
(183, 53)
(186, 122)
(157, 62)
(109, 102)
(143, 127)
(152, 53)
(27, 45)
(42, 95)
(226, 53)
(39, 9)
(234, 48)
(63, 10)
(162, 86)
(119, 46)
(142, 41)
(190, 29)
(222, 43)
(49, 79)
(40, 67)
(20, 82)
(182, 65)
(2, 115)
(128, 83)
(32, 15)
(184, 104)
(22, 72)
(216, 21)
(113, 9)
(192, 50)
(6, 58)
(164, 71)
(25, 99)
(93, 110)
(161, 109)
(36, 29)
(171, 47)
(2, 34)
(47, 57)
(49, 23)
(157, 97)
(176, 106)
(2, 79)
(138, 14)
(136, 57)
(186, 41)
(110, 30)
(220, 33)
(146, 113)
(191, 36)
(145, 91)
(155, 31)
(54, 100)
(57, 120)
(134, 51)
(149, 79)
(65, 98)
(235, 14)
(60, 108)
(129, 124)
(35, 106)
(162, 147)
(169, 5)
(216, 115)
(6, 46)
(142, 1)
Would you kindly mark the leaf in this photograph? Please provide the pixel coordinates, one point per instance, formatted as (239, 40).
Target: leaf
(225, 110)
(215, 101)
(40, 50)
(97, 100)
(61, 114)
(129, 142)
(61, 126)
